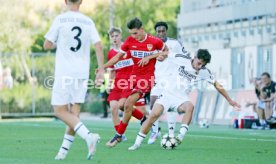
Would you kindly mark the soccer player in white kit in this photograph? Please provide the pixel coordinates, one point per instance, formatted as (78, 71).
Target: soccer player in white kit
(161, 72)
(184, 74)
(71, 34)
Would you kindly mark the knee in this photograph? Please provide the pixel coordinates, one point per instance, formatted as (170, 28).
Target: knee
(121, 106)
(114, 110)
(57, 113)
(128, 106)
(188, 108)
(154, 116)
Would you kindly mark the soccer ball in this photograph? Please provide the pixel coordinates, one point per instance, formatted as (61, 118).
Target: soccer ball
(168, 142)
(204, 123)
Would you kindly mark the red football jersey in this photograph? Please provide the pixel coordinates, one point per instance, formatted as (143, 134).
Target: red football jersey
(141, 49)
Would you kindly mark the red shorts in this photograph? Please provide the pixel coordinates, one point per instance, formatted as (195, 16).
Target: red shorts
(119, 85)
(138, 84)
(116, 95)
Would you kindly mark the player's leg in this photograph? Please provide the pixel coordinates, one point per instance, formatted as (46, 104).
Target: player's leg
(69, 136)
(78, 96)
(171, 119)
(155, 130)
(140, 105)
(187, 108)
(114, 112)
(268, 110)
(74, 122)
(261, 114)
(272, 119)
(154, 115)
(114, 106)
(128, 112)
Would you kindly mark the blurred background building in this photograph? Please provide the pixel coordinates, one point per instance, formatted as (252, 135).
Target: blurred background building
(240, 34)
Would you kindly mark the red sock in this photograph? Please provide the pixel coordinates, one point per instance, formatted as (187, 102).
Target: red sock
(116, 127)
(122, 128)
(137, 114)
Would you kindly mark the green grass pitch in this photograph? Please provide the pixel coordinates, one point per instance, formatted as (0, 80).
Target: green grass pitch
(38, 142)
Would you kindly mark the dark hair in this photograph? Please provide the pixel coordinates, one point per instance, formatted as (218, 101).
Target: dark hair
(134, 23)
(114, 29)
(161, 24)
(266, 74)
(204, 55)
(73, 1)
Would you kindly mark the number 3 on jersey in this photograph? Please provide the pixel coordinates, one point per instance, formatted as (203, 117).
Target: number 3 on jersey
(75, 49)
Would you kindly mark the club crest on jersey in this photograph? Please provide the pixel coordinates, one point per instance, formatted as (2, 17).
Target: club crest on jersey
(149, 46)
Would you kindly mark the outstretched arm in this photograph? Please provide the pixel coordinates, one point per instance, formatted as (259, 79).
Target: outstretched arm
(113, 60)
(223, 92)
(159, 56)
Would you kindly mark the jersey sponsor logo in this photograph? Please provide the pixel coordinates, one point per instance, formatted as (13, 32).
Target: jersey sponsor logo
(182, 56)
(140, 54)
(123, 63)
(186, 74)
(149, 46)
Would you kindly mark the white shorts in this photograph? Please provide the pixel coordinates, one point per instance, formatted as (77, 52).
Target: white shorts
(158, 87)
(171, 101)
(261, 105)
(69, 91)
(155, 91)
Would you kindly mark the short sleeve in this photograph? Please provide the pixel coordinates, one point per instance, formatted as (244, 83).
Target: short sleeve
(125, 46)
(206, 74)
(159, 44)
(52, 34)
(178, 47)
(95, 37)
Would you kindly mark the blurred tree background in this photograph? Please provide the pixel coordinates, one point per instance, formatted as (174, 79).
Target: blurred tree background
(24, 24)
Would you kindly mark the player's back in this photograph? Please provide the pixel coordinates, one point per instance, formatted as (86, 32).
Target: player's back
(75, 33)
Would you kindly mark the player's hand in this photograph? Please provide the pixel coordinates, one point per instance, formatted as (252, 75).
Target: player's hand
(143, 62)
(160, 58)
(235, 105)
(99, 77)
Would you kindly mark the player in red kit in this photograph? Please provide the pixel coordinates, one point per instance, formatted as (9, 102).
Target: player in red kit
(121, 70)
(143, 48)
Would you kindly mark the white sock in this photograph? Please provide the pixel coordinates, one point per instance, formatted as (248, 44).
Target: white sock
(155, 126)
(139, 139)
(183, 129)
(66, 144)
(171, 117)
(262, 122)
(81, 130)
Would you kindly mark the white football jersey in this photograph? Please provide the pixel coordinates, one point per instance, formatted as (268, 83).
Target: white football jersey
(161, 67)
(73, 33)
(182, 77)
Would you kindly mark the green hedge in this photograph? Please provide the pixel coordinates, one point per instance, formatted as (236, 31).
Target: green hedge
(19, 99)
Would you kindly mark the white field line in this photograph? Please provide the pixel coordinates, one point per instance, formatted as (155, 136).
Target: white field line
(134, 130)
(232, 138)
